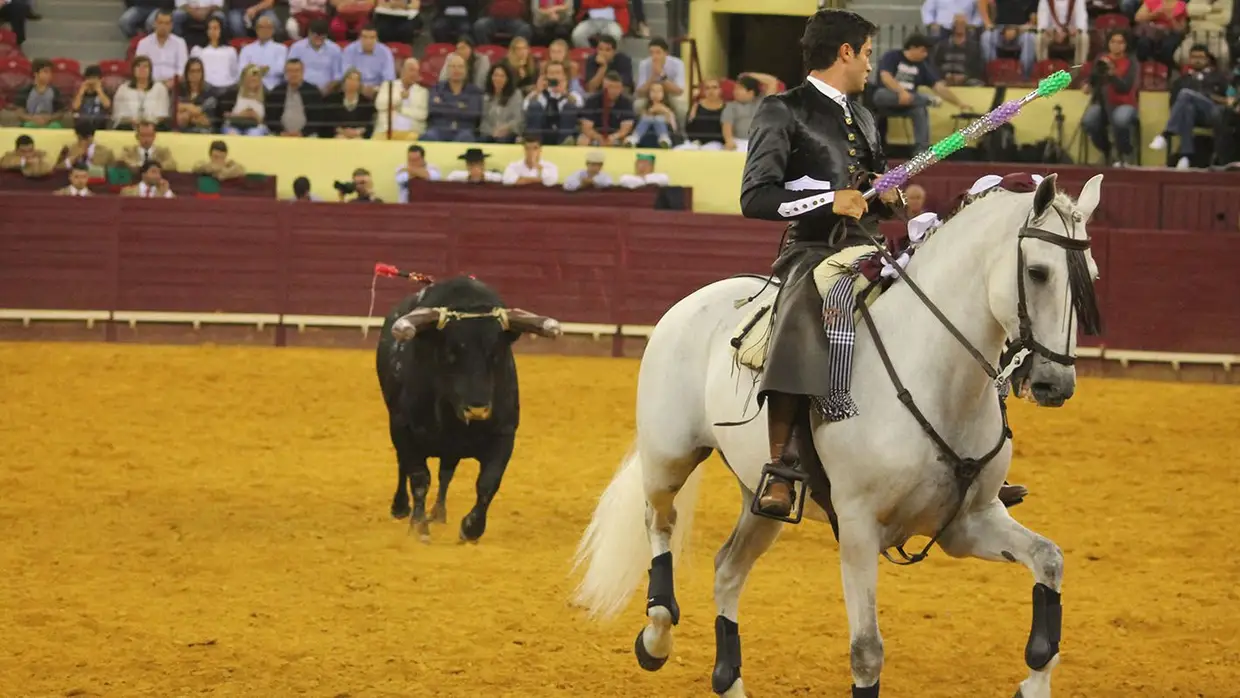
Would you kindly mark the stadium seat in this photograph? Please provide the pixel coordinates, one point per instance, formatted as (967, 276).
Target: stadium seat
(66, 76)
(442, 49)
(1046, 67)
(113, 72)
(133, 46)
(431, 66)
(1154, 76)
(1111, 20)
(540, 53)
(6, 49)
(494, 52)
(8, 37)
(66, 65)
(239, 43)
(727, 89)
(1004, 72)
(400, 52)
(14, 75)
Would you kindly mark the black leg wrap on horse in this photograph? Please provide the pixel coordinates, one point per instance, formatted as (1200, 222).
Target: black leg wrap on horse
(662, 592)
(1043, 642)
(727, 655)
(867, 692)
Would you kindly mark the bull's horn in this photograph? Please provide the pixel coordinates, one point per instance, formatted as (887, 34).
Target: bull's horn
(408, 326)
(525, 321)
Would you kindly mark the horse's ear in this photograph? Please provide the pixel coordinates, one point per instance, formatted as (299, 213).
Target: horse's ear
(1091, 194)
(1044, 196)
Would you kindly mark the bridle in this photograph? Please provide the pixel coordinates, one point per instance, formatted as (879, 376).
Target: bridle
(966, 470)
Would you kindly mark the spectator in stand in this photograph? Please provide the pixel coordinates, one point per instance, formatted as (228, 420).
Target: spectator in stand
(295, 109)
(939, 15)
(244, 107)
(900, 74)
(644, 174)
(141, 98)
(16, 13)
(219, 59)
(592, 177)
(349, 113)
(152, 184)
(218, 164)
(600, 17)
(166, 50)
(79, 181)
(915, 200)
(302, 13)
(27, 159)
(351, 17)
(415, 167)
(1063, 24)
(654, 115)
(402, 103)
(959, 56)
(91, 105)
(607, 58)
(301, 190)
(477, 66)
(323, 60)
(503, 119)
(454, 20)
(665, 69)
(504, 17)
(557, 52)
(1009, 31)
(475, 171)
(608, 116)
(398, 21)
(197, 102)
(85, 151)
(455, 106)
(532, 169)
(191, 17)
(738, 114)
(552, 19)
(244, 14)
(521, 63)
(1117, 72)
(145, 150)
(551, 110)
(39, 104)
(1198, 99)
(371, 59)
(704, 125)
(265, 53)
(138, 16)
(1160, 26)
(637, 24)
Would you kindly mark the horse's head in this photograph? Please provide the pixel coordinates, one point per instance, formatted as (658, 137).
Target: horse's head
(1043, 286)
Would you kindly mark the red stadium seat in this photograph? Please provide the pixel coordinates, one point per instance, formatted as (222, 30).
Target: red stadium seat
(14, 75)
(1004, 72)
(540, 53)
(441, 49)
(431, 66)
(494, 52)
(8, 37)
(1154, 76)
(66, 65)
(1044, 68)
(400, 52)
(727, 88)
(240, 43)
(133, 46)
(112, 74)
(66, 81)
(1109, 21)
(6, 49)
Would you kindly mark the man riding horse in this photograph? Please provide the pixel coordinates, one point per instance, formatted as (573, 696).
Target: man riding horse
(811, 149)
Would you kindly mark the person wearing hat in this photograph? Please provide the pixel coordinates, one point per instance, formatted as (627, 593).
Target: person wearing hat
(218, 165)
(644, 174)
(475, 171)
(85, 150)
(79, 178)
(592, 177)
(153, 184)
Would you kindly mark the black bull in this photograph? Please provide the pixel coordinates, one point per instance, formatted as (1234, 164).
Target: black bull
(449, 379)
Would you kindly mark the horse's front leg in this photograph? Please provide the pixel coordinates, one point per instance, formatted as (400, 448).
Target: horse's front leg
(992, 534)
(860, 545)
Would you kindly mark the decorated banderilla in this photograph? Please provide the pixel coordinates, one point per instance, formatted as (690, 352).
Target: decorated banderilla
(1000, 115)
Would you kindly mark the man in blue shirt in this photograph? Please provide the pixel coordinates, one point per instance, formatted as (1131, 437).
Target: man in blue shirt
(455, 106)
(266, 53)
(900, 74)
(371, 58)
(322, 58)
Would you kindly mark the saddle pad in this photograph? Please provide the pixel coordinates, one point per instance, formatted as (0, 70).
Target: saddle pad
(752, 349)
(826, 274)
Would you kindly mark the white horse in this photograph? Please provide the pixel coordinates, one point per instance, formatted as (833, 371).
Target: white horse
(998, 272)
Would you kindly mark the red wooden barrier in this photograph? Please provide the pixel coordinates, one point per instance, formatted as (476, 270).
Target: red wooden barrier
(1160, 290)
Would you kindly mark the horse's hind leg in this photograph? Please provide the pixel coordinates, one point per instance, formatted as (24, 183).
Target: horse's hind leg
(992, 534)
(663, 475)
(752, 536)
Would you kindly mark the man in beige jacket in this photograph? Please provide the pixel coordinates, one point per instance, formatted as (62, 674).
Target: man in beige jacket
(25, 158)
(403, 103)
(145, 149)
(218, 165)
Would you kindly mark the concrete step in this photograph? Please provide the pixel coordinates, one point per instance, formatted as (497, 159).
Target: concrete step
(76, 30)
(85, 52)
(79, 10)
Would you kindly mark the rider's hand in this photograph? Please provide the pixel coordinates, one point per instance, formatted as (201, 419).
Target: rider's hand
(849, 202)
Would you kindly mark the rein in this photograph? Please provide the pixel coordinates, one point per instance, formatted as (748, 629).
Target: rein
(966, 470)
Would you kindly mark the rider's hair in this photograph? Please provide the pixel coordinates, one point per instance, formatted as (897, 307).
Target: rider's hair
(828, 30)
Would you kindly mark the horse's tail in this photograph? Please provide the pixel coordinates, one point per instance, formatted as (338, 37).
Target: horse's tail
(615, 546)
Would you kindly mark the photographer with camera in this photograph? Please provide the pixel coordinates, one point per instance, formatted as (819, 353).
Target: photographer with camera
(362, 186)
(1112, 87)
(1198, 98)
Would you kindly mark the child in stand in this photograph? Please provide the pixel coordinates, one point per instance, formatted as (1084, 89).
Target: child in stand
(656, 116)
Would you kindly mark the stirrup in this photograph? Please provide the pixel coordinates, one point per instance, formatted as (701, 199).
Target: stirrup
(795, 477)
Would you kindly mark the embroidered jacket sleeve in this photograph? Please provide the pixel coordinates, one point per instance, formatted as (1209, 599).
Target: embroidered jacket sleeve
(763, 194)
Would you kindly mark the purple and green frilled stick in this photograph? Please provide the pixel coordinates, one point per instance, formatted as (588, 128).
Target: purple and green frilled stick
(1000, 115)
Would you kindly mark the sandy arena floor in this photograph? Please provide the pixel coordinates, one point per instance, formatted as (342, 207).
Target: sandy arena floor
(213, 521)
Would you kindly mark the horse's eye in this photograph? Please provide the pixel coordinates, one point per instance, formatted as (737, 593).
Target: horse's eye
(1038, 275)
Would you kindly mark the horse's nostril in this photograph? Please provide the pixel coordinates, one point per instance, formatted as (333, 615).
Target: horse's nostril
(1043, 388)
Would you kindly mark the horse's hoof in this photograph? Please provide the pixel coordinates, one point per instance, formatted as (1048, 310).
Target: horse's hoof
(422, 528)
(644, 659)
(472, 527)
(439, 515)
(400, 511)
(736, 690)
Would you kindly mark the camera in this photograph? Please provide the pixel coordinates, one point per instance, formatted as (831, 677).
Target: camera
(553, 82)
(345, 187)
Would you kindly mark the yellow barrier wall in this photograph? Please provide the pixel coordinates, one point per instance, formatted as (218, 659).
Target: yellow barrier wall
(714, 176)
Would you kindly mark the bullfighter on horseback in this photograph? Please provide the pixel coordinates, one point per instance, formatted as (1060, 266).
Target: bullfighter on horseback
(811, 149)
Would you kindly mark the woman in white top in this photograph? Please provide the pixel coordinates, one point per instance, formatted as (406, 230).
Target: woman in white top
(246, 113)
(219, 60)
(141, 98)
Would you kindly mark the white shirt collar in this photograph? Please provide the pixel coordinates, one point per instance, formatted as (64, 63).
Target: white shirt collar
(832, 93)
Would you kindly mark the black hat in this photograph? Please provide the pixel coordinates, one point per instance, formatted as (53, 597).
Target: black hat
(474, 155)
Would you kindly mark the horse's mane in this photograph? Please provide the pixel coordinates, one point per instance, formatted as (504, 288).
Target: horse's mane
(966, 200)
